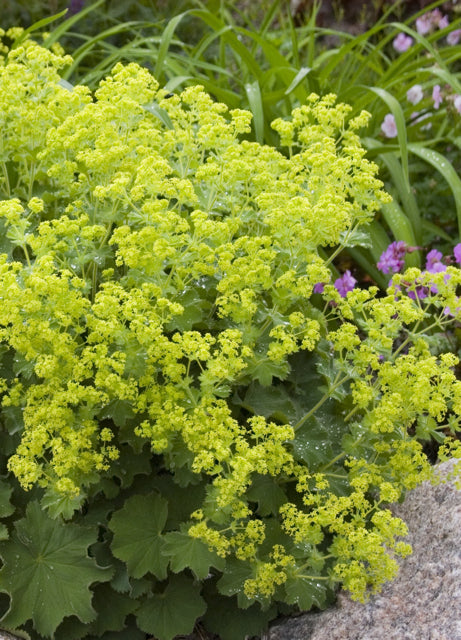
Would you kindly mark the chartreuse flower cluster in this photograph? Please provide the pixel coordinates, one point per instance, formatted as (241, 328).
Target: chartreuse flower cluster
(157, 288)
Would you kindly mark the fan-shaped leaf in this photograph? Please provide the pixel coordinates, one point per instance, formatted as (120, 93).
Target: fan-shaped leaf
(173, 612)
(137, 540)
(186, 552)
(47, 572)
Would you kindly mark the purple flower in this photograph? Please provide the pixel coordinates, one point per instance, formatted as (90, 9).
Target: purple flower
(433, 264)
(448, 312)
(419, 292)
(415, 94)
(402, 43)
(393, 259)
(345, 283)
(388, 127)
(457, 253)
(319, 287)
(437, 96)
(454, 36)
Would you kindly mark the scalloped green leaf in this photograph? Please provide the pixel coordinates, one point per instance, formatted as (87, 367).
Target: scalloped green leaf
(130, 464)
(267, 493)
(318, 439)
(227, 620)
(270, 402)
(119, 411)
(185, 552)
(173, 612)
(264, 370)
(232, 581)
(57, 504)
(179, 509)
(47, 572)
(6, 508)
(306, 592)
(137, 540)
(112, 608)
(131, 633)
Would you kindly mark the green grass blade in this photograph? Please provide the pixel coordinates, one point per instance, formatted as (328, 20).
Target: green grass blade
(436, 231)
(399, 117)
(253, 92)
(339, 59)
(446, 77)
(208, 40)
(67, 24)
(176, 82)
(273, 12)
(37, 26)
(159, 113)
(401, 228)
(230, 38)
(299, 77)
(165, 44)
(446, 169)
(379, 239)
(86, 49)
(406, 196)
(295, 46)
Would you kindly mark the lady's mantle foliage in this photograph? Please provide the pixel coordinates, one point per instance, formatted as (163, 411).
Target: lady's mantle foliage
(156, 320)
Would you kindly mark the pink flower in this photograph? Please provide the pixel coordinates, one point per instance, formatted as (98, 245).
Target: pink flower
(393, 258)
(457, 102)
(427, 23)
(415, 94)
(388, 127)
(402, 42)
(437, 96)
(424, 24)
(454, 36)
(443, 22)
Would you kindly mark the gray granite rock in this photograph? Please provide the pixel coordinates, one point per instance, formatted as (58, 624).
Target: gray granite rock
(424, 601)
(4, 635)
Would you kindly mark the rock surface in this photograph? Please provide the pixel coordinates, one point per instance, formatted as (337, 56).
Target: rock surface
(424, 601)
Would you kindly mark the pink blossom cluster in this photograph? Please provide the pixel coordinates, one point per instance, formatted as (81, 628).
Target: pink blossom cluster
(393, 258)
(392, 261)
(414, 95)
(431, 21)
(425, 25)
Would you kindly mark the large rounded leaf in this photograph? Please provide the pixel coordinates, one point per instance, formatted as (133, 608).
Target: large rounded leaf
(137, 540)
(47, 572)
(173, 612)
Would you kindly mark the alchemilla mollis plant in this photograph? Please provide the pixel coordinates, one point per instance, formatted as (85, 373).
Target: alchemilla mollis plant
(197, 421)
